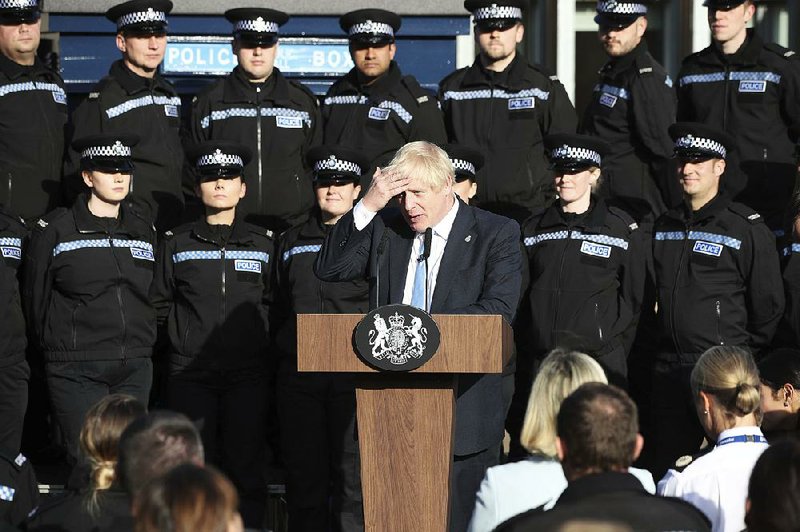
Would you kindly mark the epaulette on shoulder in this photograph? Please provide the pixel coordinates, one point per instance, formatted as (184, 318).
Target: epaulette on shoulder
(261, 231)
(747, 213)
(625, 216)
(688, 459)
(533, 217)
(691, 57)
(16, 461)
(16, 220)
(421, 95)
(42, 223)
(452, 75)
(541, 69)
(782, 51)
(308, 92)
(182, 228)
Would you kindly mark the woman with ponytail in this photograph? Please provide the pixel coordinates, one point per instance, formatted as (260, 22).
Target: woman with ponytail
(725, 385)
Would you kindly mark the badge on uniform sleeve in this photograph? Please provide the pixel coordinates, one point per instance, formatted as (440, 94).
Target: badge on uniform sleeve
(609, 100)
(171, 110)
(142, 254)
(752, 86)
(60, 97)
(289, 122)
(376, 113)
(707, 248)
(595, 250)
(11, 252)
(515, 104)
(252, 266)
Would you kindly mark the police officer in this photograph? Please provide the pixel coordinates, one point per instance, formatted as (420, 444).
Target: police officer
(87, 275)
(504, 107)
(374, 108)
(317, 410)
(718, 283)
(135, 98)
(789, 245)
(749, 89)
(632, 106)
(33, 111)
(467, 162)
(212, 291)
(14, 369)
(277, 119)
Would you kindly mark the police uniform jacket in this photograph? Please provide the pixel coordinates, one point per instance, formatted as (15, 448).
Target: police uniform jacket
(19, 490)
(753, 96)
(124, 102)
(212, 290)
(33, 112)
(301, 291)
(378, 119)
(86, 285)
(632, 105)
(789, 331)
(718, 278)
(506, 116)
(12, 333)
(279, 121)
(586, 279)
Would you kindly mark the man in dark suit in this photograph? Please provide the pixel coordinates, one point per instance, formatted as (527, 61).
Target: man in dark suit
(598, 439)
(478, 255)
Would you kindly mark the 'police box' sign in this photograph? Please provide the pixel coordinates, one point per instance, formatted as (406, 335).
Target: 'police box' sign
(212, 56)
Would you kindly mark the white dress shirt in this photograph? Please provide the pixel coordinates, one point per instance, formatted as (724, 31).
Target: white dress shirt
(716, 483)
(441, 232)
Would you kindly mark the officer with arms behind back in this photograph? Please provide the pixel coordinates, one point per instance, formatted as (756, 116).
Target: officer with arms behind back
(504, 107)
(276, 118)
(33, 112)
(134, 98)
(374, 108)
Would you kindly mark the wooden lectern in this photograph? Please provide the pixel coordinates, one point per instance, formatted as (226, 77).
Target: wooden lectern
(405, 420)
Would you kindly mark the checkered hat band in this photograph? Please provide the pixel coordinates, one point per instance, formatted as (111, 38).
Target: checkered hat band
(19, 4)
(575, 154)
(494, 11)
(258, 25)
(621, 8)
(138, 17)
(464, 166)
(691, 142)
(377, 28)
(337, 165)
(220, 159)
(117, 150)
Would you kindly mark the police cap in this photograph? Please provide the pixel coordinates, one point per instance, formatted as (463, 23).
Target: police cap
(723, 5)
(466, 161)
(495, 14)
(140, 17)
(700, 142)
(19, 11)
(106, 152)
(619, 14)
(333, 165)
(370, 26)
(572, 153)
(256, 26)
(219, 158)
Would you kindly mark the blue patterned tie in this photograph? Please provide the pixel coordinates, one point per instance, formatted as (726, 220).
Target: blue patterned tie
(418, 292)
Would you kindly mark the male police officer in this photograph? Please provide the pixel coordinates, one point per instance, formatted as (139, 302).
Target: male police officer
(632, 106)
(504, 107)
(718, 282)
(134, 98)
(277, 119)
(374, 108)
(750, 90)
(33, 111)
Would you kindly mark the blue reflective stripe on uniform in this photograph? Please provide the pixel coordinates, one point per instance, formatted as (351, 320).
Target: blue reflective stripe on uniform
(250, 112)
(183, 256)
(301, 249)
(144, 101)
(533, 240)
(100, 243)
(12, 88)
(756, 76)
(788, 250)
(486, 94)
(248, 255)
(7, 241)
(614, 91)
(702, 78)
(577, 235)
(700, 235)
(345, 100)
(397, 108)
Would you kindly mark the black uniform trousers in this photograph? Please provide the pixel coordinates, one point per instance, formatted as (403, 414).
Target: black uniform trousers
(320, 449)
(13, 402)
(78, 385)
(230, 406)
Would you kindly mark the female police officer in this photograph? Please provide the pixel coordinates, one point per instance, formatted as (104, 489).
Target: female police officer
(317, 411)
(212, 288)
(585, 263)
(87, 277)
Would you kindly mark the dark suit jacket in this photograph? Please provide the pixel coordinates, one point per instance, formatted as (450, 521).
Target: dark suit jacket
(479, 274)
(617, 498)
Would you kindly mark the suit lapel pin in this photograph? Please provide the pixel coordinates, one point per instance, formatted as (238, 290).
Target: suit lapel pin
(469, 237)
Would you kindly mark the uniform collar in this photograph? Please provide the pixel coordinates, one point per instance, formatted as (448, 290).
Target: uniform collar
(86, 222)
(237, 88)
(623, 63)
(514, 77)
(599, 484)
(313, 227)
(132, 82)
(595, 217)
(747, 54)
(14, 70)
(239, 232)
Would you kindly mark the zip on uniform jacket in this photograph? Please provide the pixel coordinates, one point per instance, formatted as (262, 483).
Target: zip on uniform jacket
(718, 306)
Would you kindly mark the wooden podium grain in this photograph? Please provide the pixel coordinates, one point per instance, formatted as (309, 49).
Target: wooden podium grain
(405, 419)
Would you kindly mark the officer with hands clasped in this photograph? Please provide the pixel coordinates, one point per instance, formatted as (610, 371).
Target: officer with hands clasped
(212, 291)
(87, 275)
(317, 410)
(276, 118)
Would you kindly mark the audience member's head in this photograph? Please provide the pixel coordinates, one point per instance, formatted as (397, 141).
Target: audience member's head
(779, 373)
(189, 498)
(598, 431)
(560, 373)
(154, 444)
(726, 389)
(772, 501)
